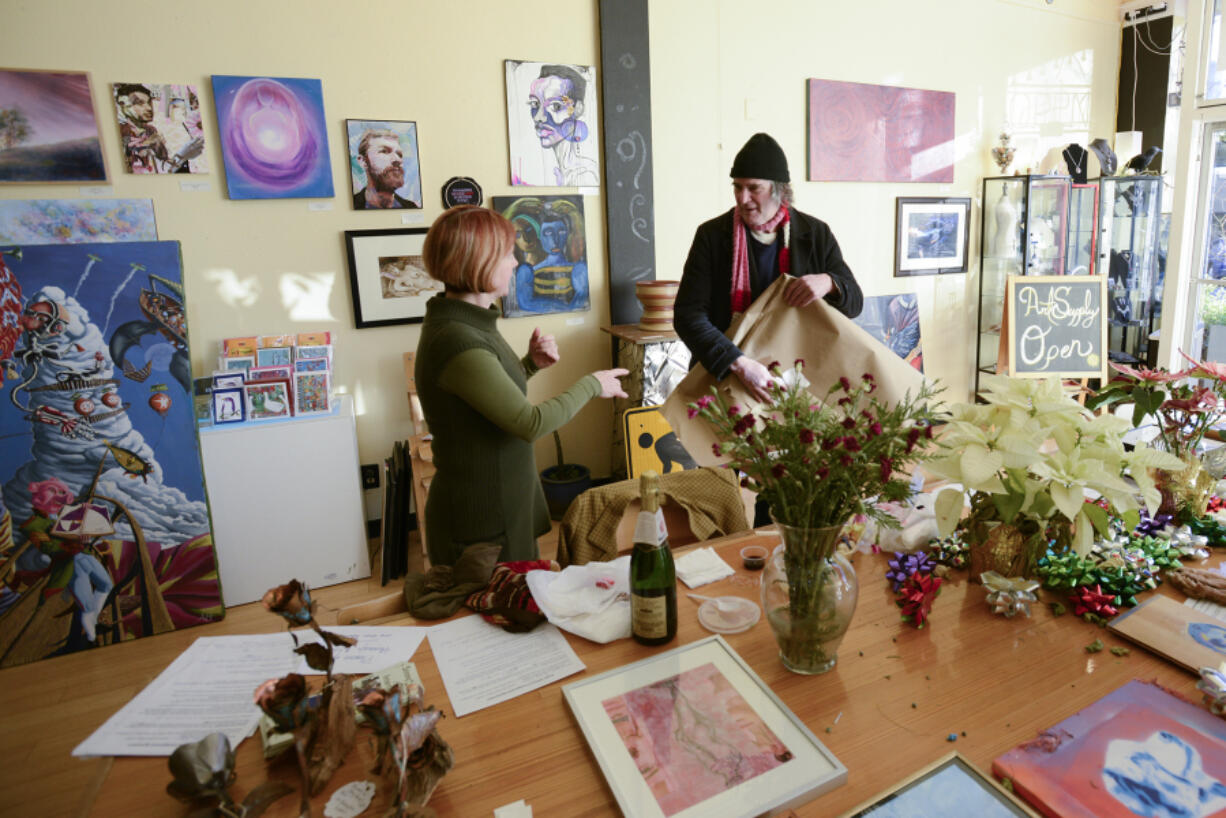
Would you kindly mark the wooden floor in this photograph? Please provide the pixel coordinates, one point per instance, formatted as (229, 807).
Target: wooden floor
(53, 705)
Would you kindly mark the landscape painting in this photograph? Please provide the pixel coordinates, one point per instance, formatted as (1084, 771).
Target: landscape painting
(274, 139)
(104, 527)
(48, 128)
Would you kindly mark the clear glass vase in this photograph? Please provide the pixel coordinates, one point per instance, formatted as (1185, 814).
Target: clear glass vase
(809, 593)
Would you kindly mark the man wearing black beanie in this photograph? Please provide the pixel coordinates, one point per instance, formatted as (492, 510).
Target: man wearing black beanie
(735, 257)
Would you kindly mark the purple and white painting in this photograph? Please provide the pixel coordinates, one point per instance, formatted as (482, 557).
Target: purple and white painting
(551, 124)
(48, 129)
(274, 141)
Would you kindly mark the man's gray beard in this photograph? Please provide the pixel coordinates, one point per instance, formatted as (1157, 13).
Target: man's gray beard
(381, 183)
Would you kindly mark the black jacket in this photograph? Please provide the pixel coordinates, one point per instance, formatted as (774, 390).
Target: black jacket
(703, 309)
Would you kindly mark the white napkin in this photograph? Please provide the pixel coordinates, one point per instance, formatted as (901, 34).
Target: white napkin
(590, 600)
(701, 567)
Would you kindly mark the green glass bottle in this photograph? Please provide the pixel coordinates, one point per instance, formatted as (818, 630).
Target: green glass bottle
(653, 579)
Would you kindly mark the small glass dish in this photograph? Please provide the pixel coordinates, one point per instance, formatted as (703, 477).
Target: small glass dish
(753, 557)
(728, 614)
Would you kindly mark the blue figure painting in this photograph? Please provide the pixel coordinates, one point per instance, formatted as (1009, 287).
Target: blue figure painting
(551, 251)
(104, 526)
(894, 321)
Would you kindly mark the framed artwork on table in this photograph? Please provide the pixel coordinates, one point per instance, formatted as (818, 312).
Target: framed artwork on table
(312, 393)
(383, 167)
(229, 406)
(387, 278)
(265, 373)
(268, 400)
(930, 235)
(734, 749)
(948, 786)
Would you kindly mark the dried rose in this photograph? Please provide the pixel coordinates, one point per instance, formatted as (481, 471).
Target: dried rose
(292, 601)
(201, 768)
(284, 700)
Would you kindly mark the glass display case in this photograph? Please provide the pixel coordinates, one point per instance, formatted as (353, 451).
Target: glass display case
(1130, 210)
(1024, 231)
(1083, 229)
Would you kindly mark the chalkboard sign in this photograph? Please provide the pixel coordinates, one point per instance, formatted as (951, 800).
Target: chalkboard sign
(1057, 326)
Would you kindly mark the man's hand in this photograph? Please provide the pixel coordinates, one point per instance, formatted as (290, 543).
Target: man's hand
(542, 349)
(756, 378)
(803, 291)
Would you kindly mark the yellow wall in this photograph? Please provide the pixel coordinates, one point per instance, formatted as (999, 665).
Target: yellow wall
(722, 69)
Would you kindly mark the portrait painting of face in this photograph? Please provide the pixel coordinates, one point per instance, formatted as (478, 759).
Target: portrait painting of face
(160, 127)
(551, 123)
(383, 166)
(48, 130)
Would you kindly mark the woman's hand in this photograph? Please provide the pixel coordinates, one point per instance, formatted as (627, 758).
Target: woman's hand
(542, 349)
(610, 386)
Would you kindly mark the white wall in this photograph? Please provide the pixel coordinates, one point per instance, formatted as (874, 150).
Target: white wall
(722, 69)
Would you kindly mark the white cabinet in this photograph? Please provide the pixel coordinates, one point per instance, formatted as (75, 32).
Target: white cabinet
(286, 501)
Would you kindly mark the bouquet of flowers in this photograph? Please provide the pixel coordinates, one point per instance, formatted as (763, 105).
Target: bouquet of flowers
(818, 463)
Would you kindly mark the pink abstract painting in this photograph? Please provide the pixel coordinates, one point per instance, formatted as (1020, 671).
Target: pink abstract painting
(879, 133)
(693, 736)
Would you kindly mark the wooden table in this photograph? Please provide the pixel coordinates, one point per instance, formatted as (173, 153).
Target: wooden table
(886, 709)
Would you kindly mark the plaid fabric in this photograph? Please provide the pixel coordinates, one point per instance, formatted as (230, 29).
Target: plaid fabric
(709, 495)
(506, 600)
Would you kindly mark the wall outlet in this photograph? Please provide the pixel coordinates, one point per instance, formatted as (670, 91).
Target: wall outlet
(370, 476)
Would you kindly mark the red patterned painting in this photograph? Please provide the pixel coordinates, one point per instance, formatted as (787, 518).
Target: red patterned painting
(879, 133)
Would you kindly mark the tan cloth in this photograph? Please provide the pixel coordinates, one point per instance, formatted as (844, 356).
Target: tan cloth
(831, 344)
(710, 496)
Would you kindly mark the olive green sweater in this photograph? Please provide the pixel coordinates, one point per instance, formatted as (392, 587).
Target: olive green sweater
(473, 392)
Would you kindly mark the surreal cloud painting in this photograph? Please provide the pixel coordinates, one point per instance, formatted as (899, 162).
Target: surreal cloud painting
(274, 140)
(48, 128)
(693, 737)
(552, 124)
(104, 526)
(1137, 751)
(879, 133)
(160, 127)
(551, 254)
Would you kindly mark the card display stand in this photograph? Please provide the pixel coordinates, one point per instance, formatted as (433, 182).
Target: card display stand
(286, 501)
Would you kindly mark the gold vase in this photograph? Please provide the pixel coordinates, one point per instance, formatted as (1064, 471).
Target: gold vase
(1185, 492)
(1002, 549)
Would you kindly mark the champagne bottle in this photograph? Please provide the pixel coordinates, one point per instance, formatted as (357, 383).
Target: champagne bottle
(653, 580)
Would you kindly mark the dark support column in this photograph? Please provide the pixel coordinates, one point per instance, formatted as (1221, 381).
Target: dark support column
(625, 75)
(1148, 80)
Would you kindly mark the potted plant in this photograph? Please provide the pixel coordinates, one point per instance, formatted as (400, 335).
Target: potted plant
(1025, 459)
(818, 463)
(563, 482)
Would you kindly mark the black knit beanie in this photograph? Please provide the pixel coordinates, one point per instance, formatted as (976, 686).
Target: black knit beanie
(761, 158)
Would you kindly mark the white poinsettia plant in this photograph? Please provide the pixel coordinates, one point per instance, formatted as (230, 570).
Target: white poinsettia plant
(1026, 458)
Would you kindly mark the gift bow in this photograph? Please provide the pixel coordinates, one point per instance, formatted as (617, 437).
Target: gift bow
(1009, 595)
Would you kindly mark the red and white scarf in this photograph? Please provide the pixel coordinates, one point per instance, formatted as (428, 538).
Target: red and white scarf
(742, 294)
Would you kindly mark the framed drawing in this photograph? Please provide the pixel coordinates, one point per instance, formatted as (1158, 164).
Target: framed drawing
(383, 167)
(387, 278)
(48, 128)
(733, 749)
(930, 235)
(1139, 750)
(948, 786)
(312, 393)
(268, 400)
(229, 405)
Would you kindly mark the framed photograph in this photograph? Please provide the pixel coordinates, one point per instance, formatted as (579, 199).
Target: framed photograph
(312, 365)
(55, 137)
(387, 277)
(931, 235)
(312, 393)
(383, 167)
(266, 373)
(229, 405)
(268, 400)
(734, 749)
(228, 380)
(1139, 750)
(948, 786)
(274, 356)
